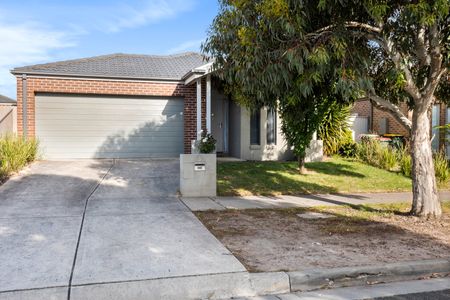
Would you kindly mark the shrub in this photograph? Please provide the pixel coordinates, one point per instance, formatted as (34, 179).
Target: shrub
(368, 151)
(374, 153)
(405, 161)
(15, 153)
(334, 129)
(441, 168)
(348, 149)
(387, 159)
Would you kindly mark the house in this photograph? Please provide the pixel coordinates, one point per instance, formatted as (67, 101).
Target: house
(132, 106)
(383, 122)
(8, 115)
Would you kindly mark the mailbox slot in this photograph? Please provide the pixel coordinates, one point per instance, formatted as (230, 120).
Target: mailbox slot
(199, 167)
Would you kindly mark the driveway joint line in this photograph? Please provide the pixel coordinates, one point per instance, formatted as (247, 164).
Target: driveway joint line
(33, 289)
(213, 199)
(160, 278)
(81, 227)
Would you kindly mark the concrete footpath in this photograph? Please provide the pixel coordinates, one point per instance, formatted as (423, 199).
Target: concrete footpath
(285, 201)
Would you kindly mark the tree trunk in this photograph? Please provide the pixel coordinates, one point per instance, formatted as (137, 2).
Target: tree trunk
(301, 164)
(425, 194)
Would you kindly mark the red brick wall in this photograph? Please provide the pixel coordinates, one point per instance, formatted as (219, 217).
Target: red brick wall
(394, 126)
(110, 87)
(363, 108)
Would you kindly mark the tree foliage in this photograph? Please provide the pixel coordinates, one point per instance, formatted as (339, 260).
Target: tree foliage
(301, 54)
(260, 50)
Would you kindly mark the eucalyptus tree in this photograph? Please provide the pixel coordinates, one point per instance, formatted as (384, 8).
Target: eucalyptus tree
(306, 53)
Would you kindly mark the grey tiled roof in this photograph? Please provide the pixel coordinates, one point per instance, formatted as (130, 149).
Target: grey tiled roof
(4, 99)
(121, 66)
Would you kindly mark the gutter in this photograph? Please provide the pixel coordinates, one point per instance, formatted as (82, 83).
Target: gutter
(92, 76)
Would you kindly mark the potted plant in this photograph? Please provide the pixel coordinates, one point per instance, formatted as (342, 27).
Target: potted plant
(207, 143)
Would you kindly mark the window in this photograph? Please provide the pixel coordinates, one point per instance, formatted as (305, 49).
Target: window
(255, 128)
(435, 121)
(271, 127)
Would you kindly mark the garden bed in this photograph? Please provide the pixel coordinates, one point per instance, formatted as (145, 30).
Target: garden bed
(273, 240)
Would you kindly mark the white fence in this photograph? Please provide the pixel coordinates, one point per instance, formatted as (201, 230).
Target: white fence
(8, 119)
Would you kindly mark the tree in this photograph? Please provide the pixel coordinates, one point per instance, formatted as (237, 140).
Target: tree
(389, 51)
(298, 80)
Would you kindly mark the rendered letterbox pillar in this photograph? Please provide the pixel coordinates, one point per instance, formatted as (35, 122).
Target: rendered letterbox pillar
(198, 175)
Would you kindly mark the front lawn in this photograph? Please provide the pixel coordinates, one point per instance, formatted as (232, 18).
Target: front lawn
(331, 176)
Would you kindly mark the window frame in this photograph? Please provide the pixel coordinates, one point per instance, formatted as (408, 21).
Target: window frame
(271, 125)
(255, 120)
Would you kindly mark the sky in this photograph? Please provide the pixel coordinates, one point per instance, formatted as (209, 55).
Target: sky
(41, 31)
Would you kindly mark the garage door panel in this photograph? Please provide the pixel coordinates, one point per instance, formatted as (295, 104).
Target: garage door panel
(106, 127)
(59, 100)
(108, 123)
(76, 134)
(157, 110)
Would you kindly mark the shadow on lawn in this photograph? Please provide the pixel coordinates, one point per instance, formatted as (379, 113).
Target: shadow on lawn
(275, 178)
(273, 184)
(332, 168)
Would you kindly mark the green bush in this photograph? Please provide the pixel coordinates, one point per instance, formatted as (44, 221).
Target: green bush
(372, 152)
(387, 159)
(348, 150)
(368, 151)
(441, 168)
(405, 161)
(15, 153)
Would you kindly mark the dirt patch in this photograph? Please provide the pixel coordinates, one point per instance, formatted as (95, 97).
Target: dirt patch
(273, 240)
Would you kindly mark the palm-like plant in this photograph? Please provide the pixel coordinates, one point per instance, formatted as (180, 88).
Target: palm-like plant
(334, 129)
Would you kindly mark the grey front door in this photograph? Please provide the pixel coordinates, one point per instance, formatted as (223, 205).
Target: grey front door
(219, 120)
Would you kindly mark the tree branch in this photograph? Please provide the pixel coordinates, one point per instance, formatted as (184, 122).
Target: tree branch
(353, 24)
(384, 104)
(436, 70)
(421, 48)
(397, 59)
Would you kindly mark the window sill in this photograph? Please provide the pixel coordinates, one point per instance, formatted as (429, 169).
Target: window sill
(255, 147)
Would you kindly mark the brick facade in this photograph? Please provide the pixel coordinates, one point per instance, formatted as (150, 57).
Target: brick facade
(111, 87)
(363, 108)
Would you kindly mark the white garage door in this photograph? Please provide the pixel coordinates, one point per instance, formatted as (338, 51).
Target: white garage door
(108, 127)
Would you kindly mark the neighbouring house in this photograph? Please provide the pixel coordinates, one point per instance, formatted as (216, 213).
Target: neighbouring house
(374, 120)
(132, 106)
(8, 115)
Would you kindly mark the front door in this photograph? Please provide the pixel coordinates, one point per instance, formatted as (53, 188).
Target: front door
(219, 120)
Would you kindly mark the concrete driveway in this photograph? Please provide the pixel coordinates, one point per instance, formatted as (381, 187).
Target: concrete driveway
(65, 226)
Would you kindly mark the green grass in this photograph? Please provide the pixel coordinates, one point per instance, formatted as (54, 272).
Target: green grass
(332, 176)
